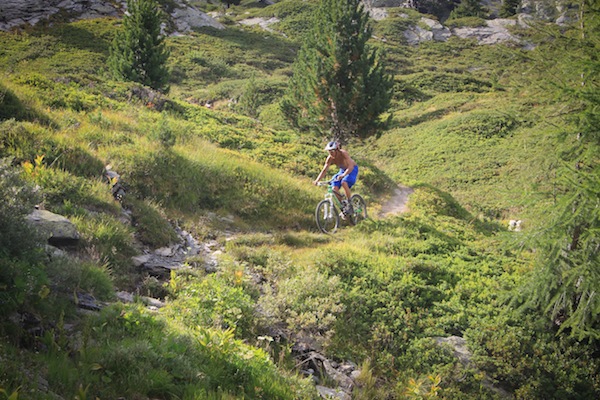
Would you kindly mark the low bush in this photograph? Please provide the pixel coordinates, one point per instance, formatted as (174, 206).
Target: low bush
(446, 82)
(465, 22)
(308, 303)
(110, 243)
(152, 226)
(211, 302)
(531, 360)
(484, 124)
(70, 276)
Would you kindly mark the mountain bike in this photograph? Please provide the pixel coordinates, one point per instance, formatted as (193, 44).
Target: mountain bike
(329, 209)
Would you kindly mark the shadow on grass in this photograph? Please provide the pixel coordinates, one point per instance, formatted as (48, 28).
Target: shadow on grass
(11, 107)
(268, 48)
(79, 38)
(442, 203)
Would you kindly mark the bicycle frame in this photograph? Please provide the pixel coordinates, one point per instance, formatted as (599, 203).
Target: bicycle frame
(327, 210)
(331, 196)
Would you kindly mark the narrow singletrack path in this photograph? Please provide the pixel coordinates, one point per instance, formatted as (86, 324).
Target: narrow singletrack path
(396, 204)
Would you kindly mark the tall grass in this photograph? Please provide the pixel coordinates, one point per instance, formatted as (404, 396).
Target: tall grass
(473, 141)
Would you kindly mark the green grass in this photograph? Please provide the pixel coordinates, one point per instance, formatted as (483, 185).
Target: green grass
(472, 133)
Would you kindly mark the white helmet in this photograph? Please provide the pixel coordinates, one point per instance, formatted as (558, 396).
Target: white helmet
(333, 145)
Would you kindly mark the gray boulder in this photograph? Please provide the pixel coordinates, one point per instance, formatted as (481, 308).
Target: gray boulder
(389, 3)
(495, 32)
(18, 13)
(15, 13)
(58, 230)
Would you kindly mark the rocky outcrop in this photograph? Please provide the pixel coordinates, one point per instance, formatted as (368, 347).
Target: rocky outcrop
(186, 18)
(160, 262)
(496, 31)
(390, 3)
(262, 22)
(464, 355)
(19, 13)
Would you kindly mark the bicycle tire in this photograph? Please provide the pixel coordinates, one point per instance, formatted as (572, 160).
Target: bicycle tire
(327, 217)
(359, 208)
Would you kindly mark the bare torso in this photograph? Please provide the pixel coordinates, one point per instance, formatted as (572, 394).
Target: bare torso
(342, 159)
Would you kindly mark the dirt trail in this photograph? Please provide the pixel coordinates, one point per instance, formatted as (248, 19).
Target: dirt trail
(397, 203)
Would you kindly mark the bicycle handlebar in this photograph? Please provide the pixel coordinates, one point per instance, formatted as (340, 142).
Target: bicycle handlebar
(325, 183)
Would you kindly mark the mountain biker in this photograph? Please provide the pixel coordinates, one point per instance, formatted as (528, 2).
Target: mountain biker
(346, 176)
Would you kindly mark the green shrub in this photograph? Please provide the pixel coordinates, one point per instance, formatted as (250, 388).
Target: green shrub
(445, 82)
(24, 284)
(212, 302)
(72, 97)
(60, 188)
(393, 29)
(12, 107)
(531, 360)
(432, 201)
(465, 22)
(484, 124)
(17, 141)
(151, 223)
(257, 93)
(308, 302)
(17, 200)
(68, 276)
(109, 243)
(22, 274)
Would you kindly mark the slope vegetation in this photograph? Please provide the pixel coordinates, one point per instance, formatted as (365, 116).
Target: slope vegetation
(472, 135)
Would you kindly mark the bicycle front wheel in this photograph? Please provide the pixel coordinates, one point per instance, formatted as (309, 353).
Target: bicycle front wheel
(359, 208)
(327, 217)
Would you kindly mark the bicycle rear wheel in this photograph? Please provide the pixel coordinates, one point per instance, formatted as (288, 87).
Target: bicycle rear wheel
(359, 208)
(327, 217)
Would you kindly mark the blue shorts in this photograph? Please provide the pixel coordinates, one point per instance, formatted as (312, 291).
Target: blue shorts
(350, 178)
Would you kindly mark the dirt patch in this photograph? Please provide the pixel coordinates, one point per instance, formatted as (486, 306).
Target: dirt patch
(397, 203)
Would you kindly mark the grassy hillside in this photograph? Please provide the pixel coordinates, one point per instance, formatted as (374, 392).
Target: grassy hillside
(474, 132)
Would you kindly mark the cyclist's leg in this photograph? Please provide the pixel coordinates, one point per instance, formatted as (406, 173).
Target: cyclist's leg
(337, 184)
(346, 187)
(349, 181)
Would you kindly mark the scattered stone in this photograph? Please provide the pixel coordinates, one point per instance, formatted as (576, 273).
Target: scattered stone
(495, 32)
(462, 353)
(164, 251)
(328, 393)
(514, 225)
(87, 302)
(125, 297)
(187, 18)
(459, 345)
(262, 22)
(139, 261)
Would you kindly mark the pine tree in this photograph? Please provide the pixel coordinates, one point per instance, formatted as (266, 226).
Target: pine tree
(469, 8)
(339, 86)
(138, 52)
(566, 280)
(509, 8)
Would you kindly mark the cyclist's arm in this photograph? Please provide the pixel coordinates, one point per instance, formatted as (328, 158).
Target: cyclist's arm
(324, 170)
(350, 164)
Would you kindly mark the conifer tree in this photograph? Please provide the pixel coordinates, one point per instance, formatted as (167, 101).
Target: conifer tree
(138, 52)
(469, 8)
(566, 280)
(509, 8)
(339, 86)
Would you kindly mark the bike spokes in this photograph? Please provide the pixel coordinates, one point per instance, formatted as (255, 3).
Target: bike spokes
(359, 208)
(326, 217)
